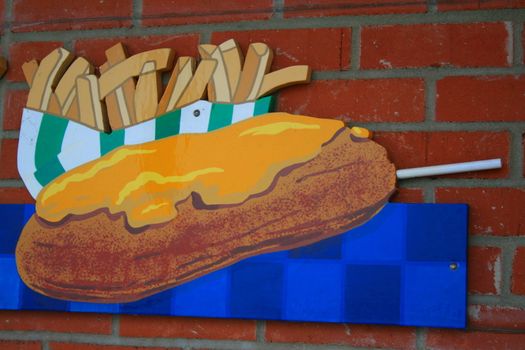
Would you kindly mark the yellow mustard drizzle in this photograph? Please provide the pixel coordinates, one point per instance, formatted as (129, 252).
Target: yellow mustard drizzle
(225, 166)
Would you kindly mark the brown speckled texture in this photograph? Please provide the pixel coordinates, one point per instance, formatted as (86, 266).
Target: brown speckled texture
(96, 258)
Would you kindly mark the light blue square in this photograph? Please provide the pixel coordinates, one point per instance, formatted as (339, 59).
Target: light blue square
(380, 239)
(434, 295)
(205, 296)
(314, 291)
(10, 284)
(93, 307)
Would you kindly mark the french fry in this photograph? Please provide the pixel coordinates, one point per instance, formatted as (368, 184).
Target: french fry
(54, 106)
(66, 88)
(219, 86)
(112, 108)
(179, 80)
(131, 67)
(233, 60)
(258, 61)
(47, 76)
(284, 77)
(29, 69)
(91, 110)
(124, 95)
(196, 89)
(147, 92)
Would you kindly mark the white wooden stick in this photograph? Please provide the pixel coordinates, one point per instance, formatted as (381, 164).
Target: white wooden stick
(449, 168)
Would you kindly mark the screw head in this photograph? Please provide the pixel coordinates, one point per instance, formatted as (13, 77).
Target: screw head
(196, 113)
(453, 266)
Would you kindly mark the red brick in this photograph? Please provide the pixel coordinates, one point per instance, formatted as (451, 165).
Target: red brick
(441, 339)
(492, 211)
(55, 322)
(19, 345)
(487, 98)
(413, 149)
(76, 346)
(37, 15)
(322, 8)
(176, 12)
(518, 271)
(15, 102)
(496, 317)
(374, 100)
(9, 170)
(484, 270)
(174, 327)
(25, 51)
(14, 195)
(94, 49)
(320, 48)
(353, 335)
(2, 16)
(436, 45)
(447, 5)
(408, 195)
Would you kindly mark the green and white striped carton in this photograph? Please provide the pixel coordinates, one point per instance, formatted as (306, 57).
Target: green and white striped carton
(49, 145)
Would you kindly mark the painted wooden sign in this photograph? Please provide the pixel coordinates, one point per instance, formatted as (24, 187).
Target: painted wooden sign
(147, 197)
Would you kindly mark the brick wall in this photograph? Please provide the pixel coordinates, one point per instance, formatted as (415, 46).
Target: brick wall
(439, 81)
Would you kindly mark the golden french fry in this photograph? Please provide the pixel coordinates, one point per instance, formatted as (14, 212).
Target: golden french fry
(29, 69)
(46, 78)
(233, 60)
(66, 88)
(219, 86)
(124, 95)
(257, 64)
(196, 89)
(91, 110)
(179, 80)
(132, 67)
(284, 77)
(147, 92)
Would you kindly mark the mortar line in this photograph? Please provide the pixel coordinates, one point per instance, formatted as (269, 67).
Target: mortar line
(432, 6)
(507, 254)
(260, 331)
(136, 19)
(289, 23)
(430, 99)
(510, 242)
(516, 154)
(423, 72)
(278, 9)
(45, 345)
(205, 37)
(355, 47)
(96, 339)
(421, 338)
(517, 43)
(494, 300)
(115, 325)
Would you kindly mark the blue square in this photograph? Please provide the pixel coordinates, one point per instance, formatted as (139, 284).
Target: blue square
(93, 307)
(256, 290)
(12, 222)
(381, 239)
(437, 232)
(372, 294)
(157, 304)
(329, 248)
(205, 296)
(9, 284)
(435, 295)
(314, 291)
(31, 300)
